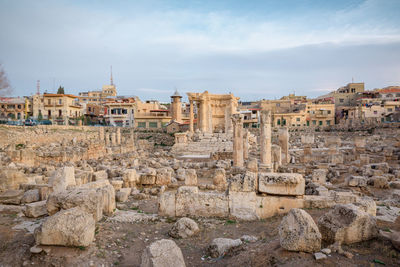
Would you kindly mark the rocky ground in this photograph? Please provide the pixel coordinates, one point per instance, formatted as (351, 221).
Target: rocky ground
(117, 197)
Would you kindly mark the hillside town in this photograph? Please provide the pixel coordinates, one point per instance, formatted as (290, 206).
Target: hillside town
(350, 105)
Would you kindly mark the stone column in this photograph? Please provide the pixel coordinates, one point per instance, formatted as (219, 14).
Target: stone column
(246, 144)
(113, 139)
(191, 117)
(284, 144)
(118, 136)
(107, 139)
(237, 140)
(228, 121)
(265, 139)
(203, 116)
(209, 117)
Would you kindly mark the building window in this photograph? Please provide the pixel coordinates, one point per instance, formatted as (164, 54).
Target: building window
(341, 100)
(320, 122)
(19, 106)
(279, 122)
(375, 112)
(314, 122)
(329, 112)
(298, 119)
(308, 123)
(49, 101)
(59, 101)
(328, 123)
(390, 109)
(89, 109)
(153, 125)
(141, 124)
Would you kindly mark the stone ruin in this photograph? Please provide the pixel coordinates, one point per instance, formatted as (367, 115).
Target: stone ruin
(86, 178)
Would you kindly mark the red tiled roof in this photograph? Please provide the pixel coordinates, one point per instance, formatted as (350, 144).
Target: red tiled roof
(395, 89)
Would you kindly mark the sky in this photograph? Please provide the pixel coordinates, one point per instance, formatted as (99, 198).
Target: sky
(254, 49)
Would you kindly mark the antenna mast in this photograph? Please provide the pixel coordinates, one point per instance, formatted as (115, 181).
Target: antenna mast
(38, 87)
(112, 83)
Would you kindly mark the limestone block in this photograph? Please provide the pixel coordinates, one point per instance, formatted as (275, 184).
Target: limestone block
(100, 175)
(336, 159)
(166, 204)
(219, 179)
(219, 246)
(36, 209)
(5, 209)
(319, 176)
(148, 177)
(62, 178)
(298, 232)
(318, 202)
(183, 228)
(164, 176)
(347, 224)
(31, 196)
(11, 178)
(11, 197)
(123, 194)
(281, 184)
(243, 205)
(367, 204)
(117, 184)
(190, 177)
(206, 204)
(344, 197)
(162, 253)
(108, 198)
(268, 206)
(88, 200)
(72, 227)
(252, 165)
(358, 181)
(130, 178)
(246, 182)
(379, 182)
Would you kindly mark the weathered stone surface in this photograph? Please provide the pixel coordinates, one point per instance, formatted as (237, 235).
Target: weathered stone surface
(319, 176)
(36, 209)
(31, 196)
(148, 177)
(123, 194)
(164, 176)
(379, 182)
(100, 175)
(219, 179)
(190, 177)
(88, 200)
(130, 178)
(167, 204)
(183, 228)
(268, 206)
(347, 224)
(243, 205)
(108, 193)
(357, 181)
(11, 197)
(117, 184)
(219, 246)
(162, 253)
(11, 178)
(281, 183)
(367, 204)
(62, 178)
(246, 182)
(72, 227)
(298, 232)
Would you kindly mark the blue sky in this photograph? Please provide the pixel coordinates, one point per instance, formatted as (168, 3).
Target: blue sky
(255, 49)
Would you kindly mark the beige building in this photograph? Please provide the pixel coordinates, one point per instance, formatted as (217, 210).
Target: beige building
(213, 111)
(14, 108)
(347, 95)
(57, 107)
(98, 97)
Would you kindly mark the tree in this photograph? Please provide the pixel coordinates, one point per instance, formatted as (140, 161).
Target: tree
(5, 87)
(60, 90)
(40, 116)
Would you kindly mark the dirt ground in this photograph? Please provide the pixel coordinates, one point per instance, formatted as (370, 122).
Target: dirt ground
(121, 244)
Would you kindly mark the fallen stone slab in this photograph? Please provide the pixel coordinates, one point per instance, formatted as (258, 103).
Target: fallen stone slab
(219, 246)
(299, 232)
(183, 228)
(11, 197)
(72, 227)
(162, 253)
(131, 216)
(290, 184)
(36, 209)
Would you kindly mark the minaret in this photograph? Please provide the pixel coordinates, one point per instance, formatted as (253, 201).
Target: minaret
(176, 107)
